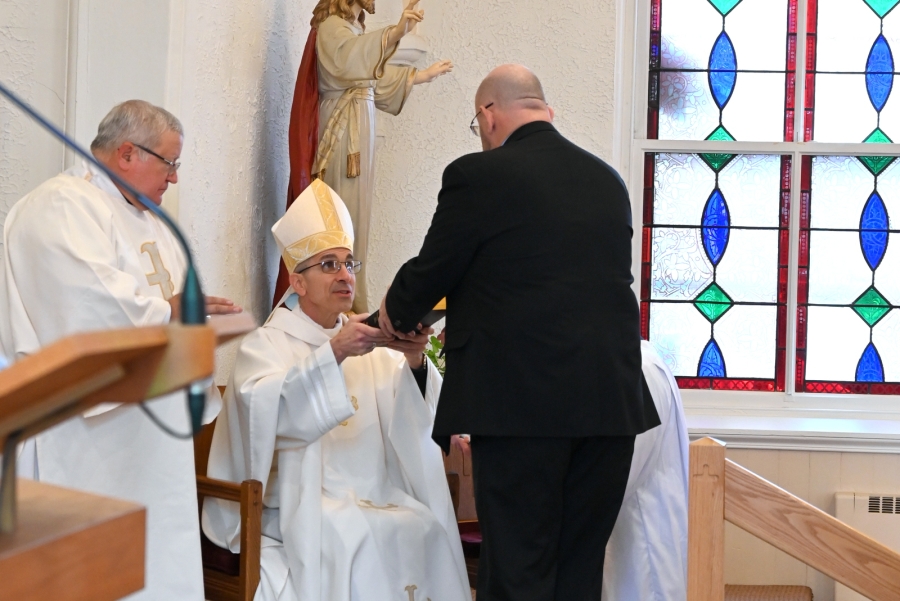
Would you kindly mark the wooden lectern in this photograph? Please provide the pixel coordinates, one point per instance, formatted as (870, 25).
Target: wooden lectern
(68, 545)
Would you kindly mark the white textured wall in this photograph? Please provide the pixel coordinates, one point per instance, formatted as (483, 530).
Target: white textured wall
(33, 44)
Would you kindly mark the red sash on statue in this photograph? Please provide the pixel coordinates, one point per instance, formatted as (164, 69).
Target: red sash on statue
(303, 138)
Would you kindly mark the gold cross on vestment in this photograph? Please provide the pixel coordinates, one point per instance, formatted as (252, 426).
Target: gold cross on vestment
(160, 275)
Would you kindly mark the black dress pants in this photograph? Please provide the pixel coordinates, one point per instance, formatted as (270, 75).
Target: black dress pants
(546, 507)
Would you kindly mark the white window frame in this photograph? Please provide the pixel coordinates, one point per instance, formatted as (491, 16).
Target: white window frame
(773, 420)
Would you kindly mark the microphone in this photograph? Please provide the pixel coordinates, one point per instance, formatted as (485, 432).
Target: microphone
(193, 303)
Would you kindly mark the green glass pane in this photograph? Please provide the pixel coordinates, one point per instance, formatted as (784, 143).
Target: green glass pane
(881, 7)
(876, 164)
(878, 136)
(725, 6)
(718, 160)
(871, 306)
(713, 302)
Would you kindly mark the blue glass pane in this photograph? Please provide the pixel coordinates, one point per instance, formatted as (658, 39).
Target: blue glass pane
(873, 235)
(870, 367)
(879, 72)
(722, 69)
(681, 185)
(715, 227)
(840, 188)
(886, 336)
(679, 332)
(844, 33)
(712, 363)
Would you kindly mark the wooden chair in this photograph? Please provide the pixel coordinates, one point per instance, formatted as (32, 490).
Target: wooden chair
(228, 576)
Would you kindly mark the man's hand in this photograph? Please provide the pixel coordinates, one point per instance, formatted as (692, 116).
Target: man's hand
(215, 305)
(356, 339)
(461, 442)
(433, 72)
(413, 348)
(408, 19)
(384, 322)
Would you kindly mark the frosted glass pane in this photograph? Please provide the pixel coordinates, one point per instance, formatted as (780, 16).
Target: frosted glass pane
(840, 188)
(756, 109)
(758, 30)
(889, 189)
(890, 114)
(686, 107)
(886, 337)
(749, 269)
(679, 333)
(843, 111)
(887, 276)
(751, 185)
(846, 31)
(683, 183)
(836, 338)
(838, 272)
(680, 266)
(689, 29)
(746, 335)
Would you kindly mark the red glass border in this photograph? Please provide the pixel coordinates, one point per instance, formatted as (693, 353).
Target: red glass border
(655, 51)
(853, 387)
(790, 77)
(646, 246)
(803, 272)
(812, 17)
(748, 384)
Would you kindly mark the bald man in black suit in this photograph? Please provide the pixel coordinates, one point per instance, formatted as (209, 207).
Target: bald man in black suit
(531, 245)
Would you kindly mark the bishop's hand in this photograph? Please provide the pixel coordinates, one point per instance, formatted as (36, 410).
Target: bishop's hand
(356, 339)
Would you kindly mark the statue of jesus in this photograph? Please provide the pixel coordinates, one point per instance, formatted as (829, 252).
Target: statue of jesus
(353, 79)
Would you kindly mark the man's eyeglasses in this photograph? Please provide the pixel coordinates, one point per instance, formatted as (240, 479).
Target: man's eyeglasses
(473, 126)
(335, 266)
(173, 166)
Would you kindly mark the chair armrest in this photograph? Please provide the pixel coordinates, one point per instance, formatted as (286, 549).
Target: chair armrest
(220, 489)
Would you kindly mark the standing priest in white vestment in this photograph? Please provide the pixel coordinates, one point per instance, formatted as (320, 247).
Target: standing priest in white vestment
(356, 504)
(80, 255)
(646, 557)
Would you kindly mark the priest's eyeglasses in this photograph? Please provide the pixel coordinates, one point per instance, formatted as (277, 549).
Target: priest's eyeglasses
(173, 166)
(473, 126)
(335, 266)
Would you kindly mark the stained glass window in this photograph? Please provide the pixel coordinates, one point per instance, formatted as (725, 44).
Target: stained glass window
(714, 276)
(848, 335)
(722, 69)
(721, 250)
(850, 56)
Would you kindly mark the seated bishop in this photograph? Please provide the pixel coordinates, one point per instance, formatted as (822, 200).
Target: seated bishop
(646, 557)
(334, 418)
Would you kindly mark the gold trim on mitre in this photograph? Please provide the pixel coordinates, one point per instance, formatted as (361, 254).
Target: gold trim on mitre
(326, 206)
(310, 246)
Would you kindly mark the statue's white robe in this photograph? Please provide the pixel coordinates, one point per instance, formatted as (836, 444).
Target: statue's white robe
(646, 557)
(72, 262)
(356, 503)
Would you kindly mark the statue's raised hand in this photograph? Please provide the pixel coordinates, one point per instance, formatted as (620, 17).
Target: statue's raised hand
(408, 19)
(432, 72)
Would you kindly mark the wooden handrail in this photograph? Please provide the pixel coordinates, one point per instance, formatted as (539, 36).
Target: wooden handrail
(810, 535)
(723, 490)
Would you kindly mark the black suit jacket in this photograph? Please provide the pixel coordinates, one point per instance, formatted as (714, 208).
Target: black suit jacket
(531, 245)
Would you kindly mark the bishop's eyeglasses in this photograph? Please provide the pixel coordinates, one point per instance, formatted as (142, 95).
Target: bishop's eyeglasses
(335, 266)
(173, 166)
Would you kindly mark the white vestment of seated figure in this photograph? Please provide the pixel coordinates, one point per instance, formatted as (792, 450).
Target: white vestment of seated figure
(646, 557)
(356, 503)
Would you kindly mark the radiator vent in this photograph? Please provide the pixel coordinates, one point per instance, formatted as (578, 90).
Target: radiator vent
(884, 504)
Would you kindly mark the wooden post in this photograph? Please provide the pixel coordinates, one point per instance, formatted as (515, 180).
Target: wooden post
(706, 521)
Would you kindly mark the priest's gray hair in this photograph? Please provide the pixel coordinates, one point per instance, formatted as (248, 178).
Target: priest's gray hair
(134, 121)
